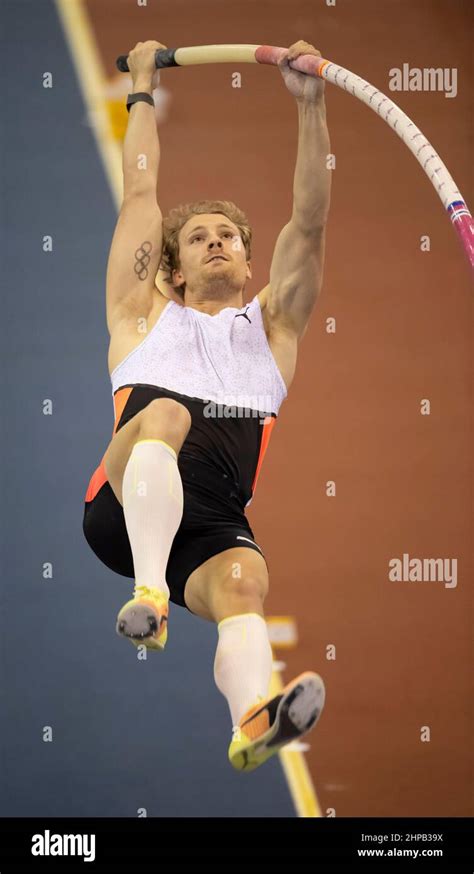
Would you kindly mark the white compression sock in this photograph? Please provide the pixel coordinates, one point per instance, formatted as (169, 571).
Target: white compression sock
(243, 663)
(152, 495)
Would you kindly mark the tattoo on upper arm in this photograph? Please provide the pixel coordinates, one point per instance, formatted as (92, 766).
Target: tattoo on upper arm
(142, 256)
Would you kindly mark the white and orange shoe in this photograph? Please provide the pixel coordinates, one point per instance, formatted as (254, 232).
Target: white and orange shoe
(274, 722)
(144, 619)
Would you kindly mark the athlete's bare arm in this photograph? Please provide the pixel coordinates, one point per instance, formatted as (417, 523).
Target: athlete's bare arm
(297, 265)
(136, 248)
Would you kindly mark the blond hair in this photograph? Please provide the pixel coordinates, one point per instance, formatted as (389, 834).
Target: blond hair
(177, 218)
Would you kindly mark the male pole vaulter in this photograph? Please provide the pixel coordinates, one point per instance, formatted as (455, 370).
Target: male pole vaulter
(196, 397)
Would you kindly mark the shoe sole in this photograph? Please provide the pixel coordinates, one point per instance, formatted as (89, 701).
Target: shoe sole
(298, 711)
(145, 641)
(149, 640)
(156, 646)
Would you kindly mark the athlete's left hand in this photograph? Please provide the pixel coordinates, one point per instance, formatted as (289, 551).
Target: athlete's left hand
(305, 88)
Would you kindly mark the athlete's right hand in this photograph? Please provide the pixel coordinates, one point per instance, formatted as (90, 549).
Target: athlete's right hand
(141, 60)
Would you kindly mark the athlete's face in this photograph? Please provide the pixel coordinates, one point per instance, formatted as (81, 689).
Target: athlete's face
(212, 255)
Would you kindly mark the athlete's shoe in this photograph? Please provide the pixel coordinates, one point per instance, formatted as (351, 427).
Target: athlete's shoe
(144, 619)
(272, 723)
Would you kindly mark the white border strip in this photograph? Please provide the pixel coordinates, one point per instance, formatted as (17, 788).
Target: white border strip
(92, 81)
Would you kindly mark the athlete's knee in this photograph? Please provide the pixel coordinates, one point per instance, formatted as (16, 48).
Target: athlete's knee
(248, 589)
(239, 595)
(167, 419)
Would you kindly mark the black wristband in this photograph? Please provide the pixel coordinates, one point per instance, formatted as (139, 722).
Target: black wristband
(139, 95)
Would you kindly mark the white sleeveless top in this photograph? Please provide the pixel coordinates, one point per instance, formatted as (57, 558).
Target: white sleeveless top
(224, 358)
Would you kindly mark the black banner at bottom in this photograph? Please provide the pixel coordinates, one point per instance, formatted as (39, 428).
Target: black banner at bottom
(179, 846)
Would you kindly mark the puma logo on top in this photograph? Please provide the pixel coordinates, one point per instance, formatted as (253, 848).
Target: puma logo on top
(245, 316)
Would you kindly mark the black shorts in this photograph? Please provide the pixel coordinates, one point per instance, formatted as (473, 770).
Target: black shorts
(213, 521)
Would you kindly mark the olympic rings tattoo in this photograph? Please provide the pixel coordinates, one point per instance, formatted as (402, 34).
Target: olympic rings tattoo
(143, 259)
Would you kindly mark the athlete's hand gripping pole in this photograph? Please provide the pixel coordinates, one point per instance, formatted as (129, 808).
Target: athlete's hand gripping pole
(423, 151)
